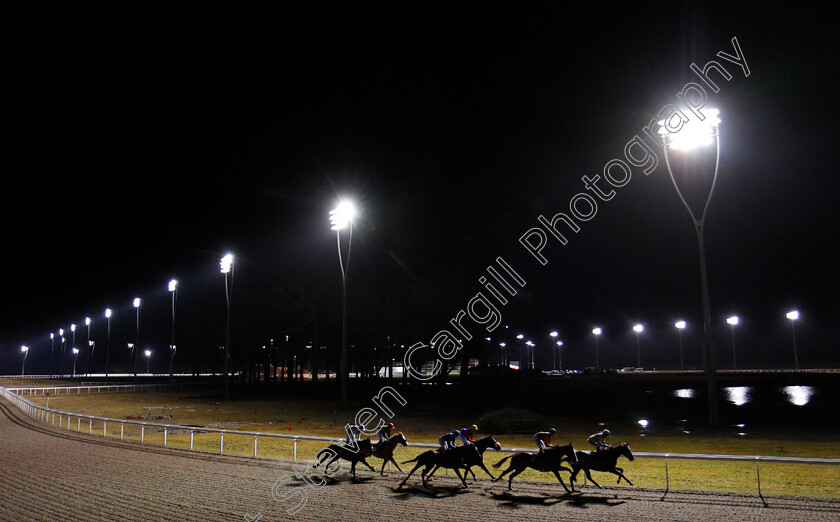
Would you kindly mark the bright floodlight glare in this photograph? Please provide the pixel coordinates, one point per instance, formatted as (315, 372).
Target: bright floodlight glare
(520, 336)
(148, 353)
(559, 343)
(502, 345)
(24, 349)
(52, 335)
(792, 315)
(107, 312)
(530, 343)
(61, 331)
(136, 302)
(680, 134)
(638, 328)
(643, 423)
(76, 351)
(553, 334)
(596, 331)
(680, 324)
(226, 263)
(72, 327)
(342, 215)
(87, 321)
(732, 320)
(173, 285)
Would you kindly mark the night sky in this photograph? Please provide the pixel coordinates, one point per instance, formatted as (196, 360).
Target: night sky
(143, 146)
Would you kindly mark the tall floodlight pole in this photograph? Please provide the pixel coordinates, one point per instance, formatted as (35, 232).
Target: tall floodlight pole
(90, 347)
(61, 351)
(173, 286)
(75, 356)
(680, 326)
(793, 316)
(732, 321)
(638, 329)
(677, 134)
(52, 353)
(341, 217)
(596, 332)
(73, 344)
(108, 345)
(25, 351)
(226, 265)
(136, 340)
(553, 336)
(148, 359)
(559, 345)
(530, 352)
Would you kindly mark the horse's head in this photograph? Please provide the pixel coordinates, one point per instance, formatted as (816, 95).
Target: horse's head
(401, 439)
(493, 443)
(624, 449)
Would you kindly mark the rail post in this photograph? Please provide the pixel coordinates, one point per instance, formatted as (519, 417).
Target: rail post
(165, 434)
(255, 446)
(192, 436)
(758, 479)
(122, 430)
(221, 443)
(294, 450)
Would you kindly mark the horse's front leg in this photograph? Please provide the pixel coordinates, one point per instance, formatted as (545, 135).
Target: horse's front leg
(482, 466)
(411, 473)
(557, 474)
(363, 461)
(620, 476)
(395, 464)
(463, 479)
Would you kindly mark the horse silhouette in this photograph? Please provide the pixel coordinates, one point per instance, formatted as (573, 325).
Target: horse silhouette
(549, 460)
(603, 460)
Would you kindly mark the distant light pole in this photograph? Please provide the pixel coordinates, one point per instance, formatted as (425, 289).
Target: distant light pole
(25, 351)
(136, 339)
(793, 315)
(682, 135)
(680, 326)
(638, 329)
(227, 269)
(553, 336)
(61, 351)
(108, 345)
(173, 287)
(596, 332)
(73, 343)
(732, 321)
(559, 345)
(52, 353)
(75, 356)
(148, 359)
(341, 217)
(530, 351)
(504, 354)
(90, 347)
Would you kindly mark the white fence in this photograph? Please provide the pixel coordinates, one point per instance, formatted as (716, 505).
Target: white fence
(64, 419)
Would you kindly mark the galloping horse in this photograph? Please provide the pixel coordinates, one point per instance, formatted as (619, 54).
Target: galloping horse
(343, 451)
(385, 450)
(603, 460)
(462, 457)
(549, 460)
(469, 457)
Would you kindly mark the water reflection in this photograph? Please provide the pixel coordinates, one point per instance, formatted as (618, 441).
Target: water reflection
(799, 395)
(738, 395)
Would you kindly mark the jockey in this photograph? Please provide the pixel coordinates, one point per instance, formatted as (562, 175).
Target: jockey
(543, 439)
(466, 434)
(599, 440)
(447, 440)
(384, 433)
(355, 431)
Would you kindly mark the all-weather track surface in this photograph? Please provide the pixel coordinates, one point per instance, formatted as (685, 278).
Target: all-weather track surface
(52, 474)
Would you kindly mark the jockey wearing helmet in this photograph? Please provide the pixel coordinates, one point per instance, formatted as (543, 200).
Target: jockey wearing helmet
(447, 440)
(466, 434)
(543, 439)
(354, 431)
(599, 440)
(384, 432)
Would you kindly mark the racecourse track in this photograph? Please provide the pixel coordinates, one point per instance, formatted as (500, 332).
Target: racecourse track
(48, 473)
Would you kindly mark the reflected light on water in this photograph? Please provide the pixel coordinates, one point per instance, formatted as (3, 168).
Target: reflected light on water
(739, 395)
(685, 393)
(799, 395)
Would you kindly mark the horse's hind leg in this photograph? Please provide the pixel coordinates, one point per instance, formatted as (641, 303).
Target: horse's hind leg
(585, 470)
(363, 461)
(510, 479)
(411, 472)
(502, 474)
(482, 466)
(621, 476)
(463, 479)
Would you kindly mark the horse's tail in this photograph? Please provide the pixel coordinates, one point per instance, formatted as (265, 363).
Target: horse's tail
(415, 459)
(499, 464)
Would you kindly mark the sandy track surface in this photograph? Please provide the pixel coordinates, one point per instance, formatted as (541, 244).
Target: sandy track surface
(54, 474)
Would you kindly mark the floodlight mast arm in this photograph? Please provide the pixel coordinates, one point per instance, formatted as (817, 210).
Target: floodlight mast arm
(708, 349)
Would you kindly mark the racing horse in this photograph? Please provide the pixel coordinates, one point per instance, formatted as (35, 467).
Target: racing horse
(603, 460)
(461, 457)
(549, 460)
(385, 450)
(469, 457)
(346, 452)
